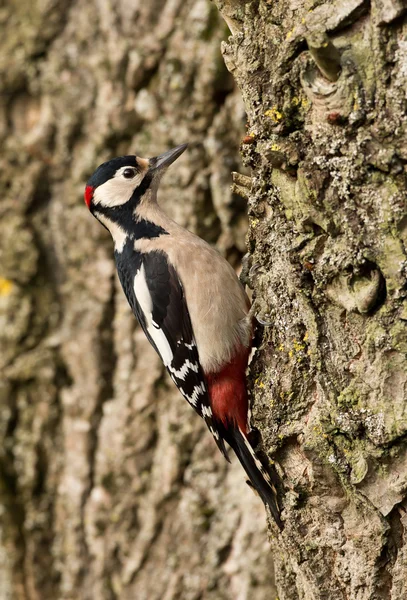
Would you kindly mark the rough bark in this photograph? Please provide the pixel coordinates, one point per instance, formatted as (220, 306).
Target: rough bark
(324, 86)
(110, 486)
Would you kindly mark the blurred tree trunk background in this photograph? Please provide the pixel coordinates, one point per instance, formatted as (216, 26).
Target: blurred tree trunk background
(110, 487)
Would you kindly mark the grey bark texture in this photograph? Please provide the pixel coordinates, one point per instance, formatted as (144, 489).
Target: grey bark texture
(110, 486)
(324, 86)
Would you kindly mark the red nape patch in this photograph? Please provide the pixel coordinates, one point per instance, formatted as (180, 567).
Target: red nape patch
(88, 195)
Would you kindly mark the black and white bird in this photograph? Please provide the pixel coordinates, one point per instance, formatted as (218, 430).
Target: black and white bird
(188, 300)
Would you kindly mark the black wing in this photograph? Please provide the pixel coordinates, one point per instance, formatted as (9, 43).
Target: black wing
(164, 317)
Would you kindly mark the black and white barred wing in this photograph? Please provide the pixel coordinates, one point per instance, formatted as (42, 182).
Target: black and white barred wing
(167, 324)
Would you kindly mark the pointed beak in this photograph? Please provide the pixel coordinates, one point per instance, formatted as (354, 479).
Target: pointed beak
(165, 160)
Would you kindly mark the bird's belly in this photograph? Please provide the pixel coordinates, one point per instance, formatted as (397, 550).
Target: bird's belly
(218, 308)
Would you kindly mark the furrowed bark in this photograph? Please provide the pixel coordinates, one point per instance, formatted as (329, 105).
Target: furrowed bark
(110, 486)
(324, 86)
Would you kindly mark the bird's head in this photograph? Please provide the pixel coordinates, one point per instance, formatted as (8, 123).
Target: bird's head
(123, 181)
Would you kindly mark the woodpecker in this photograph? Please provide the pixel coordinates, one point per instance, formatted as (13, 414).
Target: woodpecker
(188, 300)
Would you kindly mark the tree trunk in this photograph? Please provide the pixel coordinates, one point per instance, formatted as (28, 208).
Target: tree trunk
(324, 86)
(110, 486)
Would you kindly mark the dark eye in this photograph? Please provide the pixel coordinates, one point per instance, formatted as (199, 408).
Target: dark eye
(129, 173)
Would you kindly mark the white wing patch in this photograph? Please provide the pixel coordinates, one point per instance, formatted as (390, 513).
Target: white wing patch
(183, 371)
(143, 297)
(190, 346)
(194, 397)
(206, 411)
(214, 432)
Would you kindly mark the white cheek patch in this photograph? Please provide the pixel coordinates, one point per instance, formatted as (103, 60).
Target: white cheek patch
(143, 297)
(117, 190)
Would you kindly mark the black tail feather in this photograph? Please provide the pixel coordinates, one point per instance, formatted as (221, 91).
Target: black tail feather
(258, 475)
